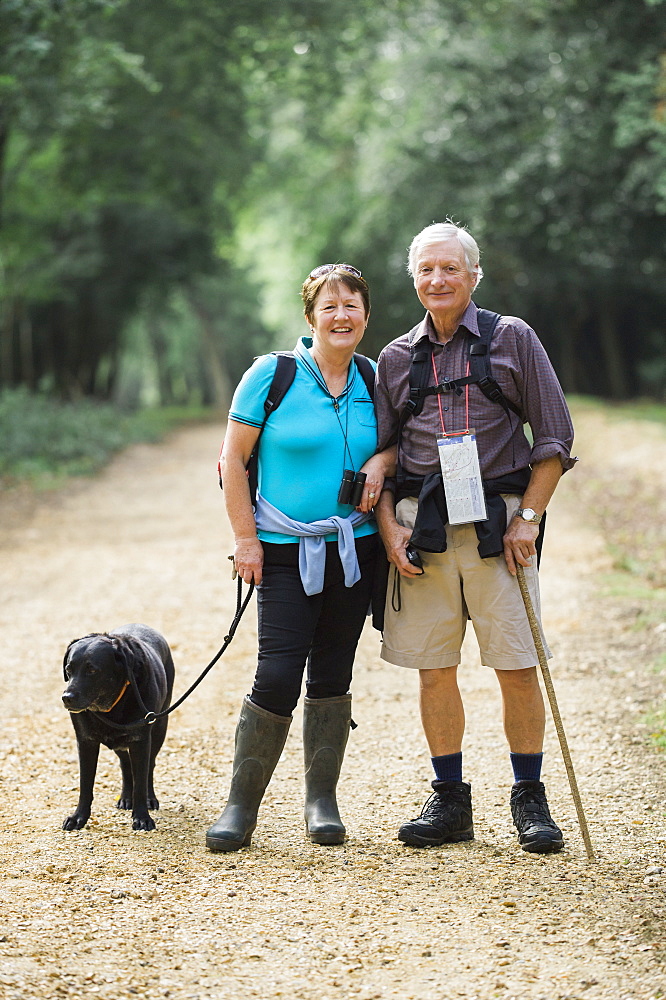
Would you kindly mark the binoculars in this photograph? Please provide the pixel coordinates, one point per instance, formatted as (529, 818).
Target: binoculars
(351, 487)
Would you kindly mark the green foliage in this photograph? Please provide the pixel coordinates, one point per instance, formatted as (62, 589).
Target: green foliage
(44, 441)
(171, 171)
(541, 126)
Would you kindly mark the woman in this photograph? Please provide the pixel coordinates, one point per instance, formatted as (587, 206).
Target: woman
(313, 574)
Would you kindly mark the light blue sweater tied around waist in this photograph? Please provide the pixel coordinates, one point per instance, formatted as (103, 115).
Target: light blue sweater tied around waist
(311, 546)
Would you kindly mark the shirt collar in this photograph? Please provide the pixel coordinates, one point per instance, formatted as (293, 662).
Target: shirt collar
(303, 345)
(426, 329)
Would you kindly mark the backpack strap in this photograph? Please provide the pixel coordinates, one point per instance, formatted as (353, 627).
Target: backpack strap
(419, 374)
(479, 368)
(479, 363)
(283, 376)
(367, 373)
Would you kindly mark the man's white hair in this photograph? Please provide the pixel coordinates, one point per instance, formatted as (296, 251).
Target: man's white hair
(439, 231)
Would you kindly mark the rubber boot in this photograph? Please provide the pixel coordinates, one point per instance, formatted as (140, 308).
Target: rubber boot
(260, 738)
(326, 723)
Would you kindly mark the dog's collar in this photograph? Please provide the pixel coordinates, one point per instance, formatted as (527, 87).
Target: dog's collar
(122, 692)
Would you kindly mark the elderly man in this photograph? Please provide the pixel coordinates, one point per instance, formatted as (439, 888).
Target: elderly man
(470, 496)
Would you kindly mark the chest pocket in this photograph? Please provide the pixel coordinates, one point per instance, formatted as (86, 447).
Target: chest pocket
(365, 412)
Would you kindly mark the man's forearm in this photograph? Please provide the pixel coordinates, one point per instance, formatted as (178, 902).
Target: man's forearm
(543, 482)
(520, 537)
(385, 512)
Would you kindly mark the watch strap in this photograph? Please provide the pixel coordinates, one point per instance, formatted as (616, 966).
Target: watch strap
(535, 519)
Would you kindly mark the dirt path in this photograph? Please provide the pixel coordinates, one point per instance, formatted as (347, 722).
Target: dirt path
(110, 913)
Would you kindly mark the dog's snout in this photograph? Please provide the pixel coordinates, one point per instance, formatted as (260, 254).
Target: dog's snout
(69, 700)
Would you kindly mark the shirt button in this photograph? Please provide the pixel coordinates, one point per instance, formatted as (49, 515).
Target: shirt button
(446, 409)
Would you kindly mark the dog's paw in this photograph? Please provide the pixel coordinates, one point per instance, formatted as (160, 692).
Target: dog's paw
(153, 804)
(143, 823)
(124, 802)
(76, 821)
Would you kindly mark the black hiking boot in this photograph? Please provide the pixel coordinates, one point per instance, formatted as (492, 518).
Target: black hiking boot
(537, 833)
(446, 818)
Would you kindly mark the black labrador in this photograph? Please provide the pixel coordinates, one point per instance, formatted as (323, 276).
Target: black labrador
(97, 670)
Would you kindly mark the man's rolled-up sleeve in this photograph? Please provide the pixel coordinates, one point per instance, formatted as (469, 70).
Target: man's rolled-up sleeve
(544, 404)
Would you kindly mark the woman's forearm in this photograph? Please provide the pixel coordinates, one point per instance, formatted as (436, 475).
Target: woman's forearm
(248, 550)
(237, 498)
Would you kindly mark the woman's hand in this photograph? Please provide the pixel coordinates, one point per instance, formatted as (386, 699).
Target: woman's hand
(249, 559)
(376, 469)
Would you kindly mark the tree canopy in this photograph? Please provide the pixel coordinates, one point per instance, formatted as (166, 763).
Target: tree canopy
(169, 172)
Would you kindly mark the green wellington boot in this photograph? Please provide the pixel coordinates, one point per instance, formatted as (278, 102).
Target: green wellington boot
(326, 723)
(260, 739)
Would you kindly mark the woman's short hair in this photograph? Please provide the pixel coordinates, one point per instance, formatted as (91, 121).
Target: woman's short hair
(439, 231)
(337, 275)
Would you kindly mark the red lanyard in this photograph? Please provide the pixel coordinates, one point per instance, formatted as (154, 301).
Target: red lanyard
(439, 402)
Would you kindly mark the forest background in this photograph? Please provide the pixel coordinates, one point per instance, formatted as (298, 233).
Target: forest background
(172, 169)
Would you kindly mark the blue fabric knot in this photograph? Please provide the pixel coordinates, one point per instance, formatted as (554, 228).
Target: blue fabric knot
(311, 546)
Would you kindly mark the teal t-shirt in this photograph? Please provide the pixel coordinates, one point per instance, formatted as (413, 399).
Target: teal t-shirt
(302, 451)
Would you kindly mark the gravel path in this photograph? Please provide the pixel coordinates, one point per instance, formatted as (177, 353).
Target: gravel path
(110, 913)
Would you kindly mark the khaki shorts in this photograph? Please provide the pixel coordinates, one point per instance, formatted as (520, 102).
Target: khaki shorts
(428, 630)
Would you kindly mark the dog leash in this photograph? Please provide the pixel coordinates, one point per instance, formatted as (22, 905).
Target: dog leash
(151, 717)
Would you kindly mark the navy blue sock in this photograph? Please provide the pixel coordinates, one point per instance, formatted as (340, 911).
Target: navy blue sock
(448, 767)
(526, 766)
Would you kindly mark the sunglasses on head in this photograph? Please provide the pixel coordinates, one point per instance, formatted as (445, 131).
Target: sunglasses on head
(327, 268)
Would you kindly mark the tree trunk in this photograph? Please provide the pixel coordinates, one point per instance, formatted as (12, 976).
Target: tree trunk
(26, 348)
(4, 133)
(611, 348)
(159, 346)
(219, 383)
(7, 345)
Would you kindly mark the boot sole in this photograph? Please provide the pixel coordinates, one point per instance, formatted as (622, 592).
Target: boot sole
(327, 839)
(419, 840)
(543, 845)
(219, 845)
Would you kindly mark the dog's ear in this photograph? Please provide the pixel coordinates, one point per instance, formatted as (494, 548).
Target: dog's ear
(66, 657)
(130, 654)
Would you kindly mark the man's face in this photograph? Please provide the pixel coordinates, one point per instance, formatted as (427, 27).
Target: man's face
(443, 283)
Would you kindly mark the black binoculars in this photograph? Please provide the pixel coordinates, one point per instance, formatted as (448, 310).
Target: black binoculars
(351, 487)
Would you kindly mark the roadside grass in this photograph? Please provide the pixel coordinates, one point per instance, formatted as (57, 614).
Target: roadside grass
(631, 515)
(636, 409)
(43, 442)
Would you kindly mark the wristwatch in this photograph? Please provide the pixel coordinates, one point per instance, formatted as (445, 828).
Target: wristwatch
(529, 515)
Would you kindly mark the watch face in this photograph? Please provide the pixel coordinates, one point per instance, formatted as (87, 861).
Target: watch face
(528, 514)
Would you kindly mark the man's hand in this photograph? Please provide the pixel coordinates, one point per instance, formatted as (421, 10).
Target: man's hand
(395, 538)
(249, 559)
(519, 544)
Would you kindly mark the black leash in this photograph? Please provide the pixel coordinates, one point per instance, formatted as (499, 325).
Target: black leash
(150, 717)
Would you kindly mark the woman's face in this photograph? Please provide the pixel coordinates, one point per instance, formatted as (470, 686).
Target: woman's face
(338, 319)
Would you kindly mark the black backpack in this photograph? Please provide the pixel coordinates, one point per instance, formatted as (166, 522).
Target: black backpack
(284, 375)
(479, 368)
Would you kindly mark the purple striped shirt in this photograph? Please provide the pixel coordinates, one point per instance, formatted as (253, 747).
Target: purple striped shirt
(524, 372)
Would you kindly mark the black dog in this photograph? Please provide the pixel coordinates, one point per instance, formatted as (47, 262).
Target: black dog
(97, 670)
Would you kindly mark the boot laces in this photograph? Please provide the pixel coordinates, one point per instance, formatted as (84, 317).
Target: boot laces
(441, 805)
(531, 805)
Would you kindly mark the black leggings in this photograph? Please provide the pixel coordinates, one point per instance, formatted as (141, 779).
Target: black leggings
(322, 630)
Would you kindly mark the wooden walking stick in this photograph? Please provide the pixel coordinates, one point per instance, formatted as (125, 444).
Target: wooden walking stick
(557, 718)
